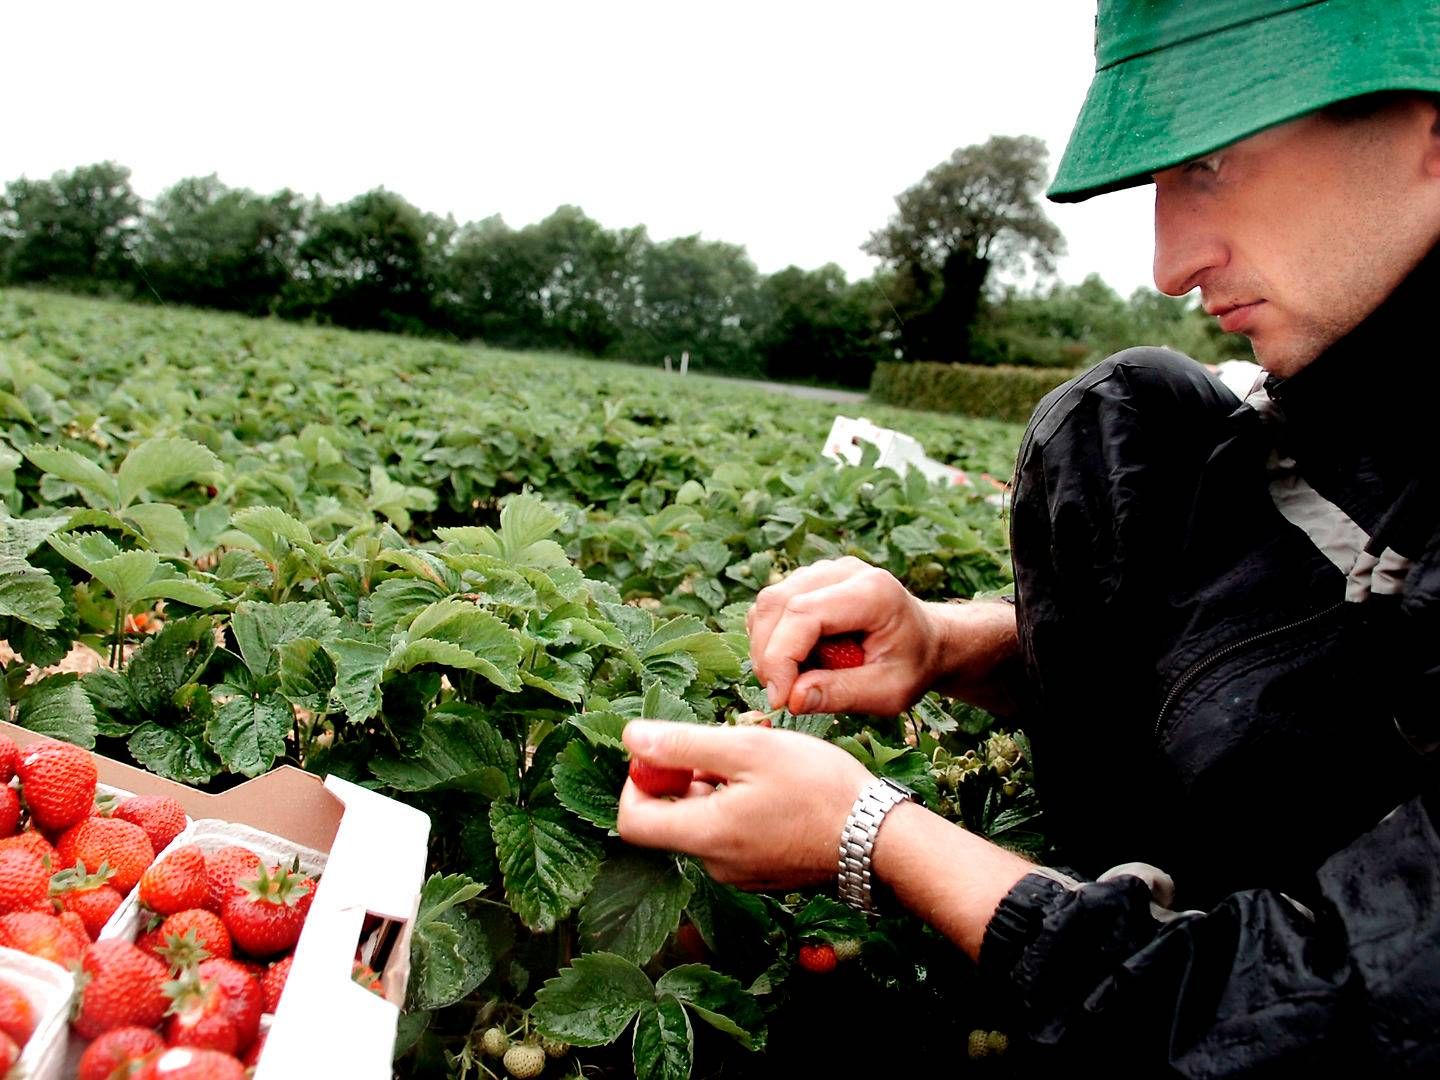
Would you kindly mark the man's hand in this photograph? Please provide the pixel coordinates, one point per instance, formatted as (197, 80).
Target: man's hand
(766, 808)
(910, 646)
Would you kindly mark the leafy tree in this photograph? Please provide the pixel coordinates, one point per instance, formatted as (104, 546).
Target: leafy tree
(816, 326)
(978, 210)
(75, 229)
(206, 244)
(492, 284)
(371, 264)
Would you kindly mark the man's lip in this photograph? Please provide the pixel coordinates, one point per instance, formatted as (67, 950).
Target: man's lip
(1233, 317)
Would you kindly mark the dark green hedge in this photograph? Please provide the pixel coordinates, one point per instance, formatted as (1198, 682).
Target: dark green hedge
(998, 393)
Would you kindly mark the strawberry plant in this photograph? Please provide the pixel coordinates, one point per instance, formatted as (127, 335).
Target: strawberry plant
(433, 572)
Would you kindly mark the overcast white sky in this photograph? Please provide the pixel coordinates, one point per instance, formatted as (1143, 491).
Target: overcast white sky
(784, 126)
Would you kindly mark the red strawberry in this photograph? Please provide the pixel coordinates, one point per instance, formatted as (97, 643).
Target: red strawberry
(9, 810)
(122, 846)
(252, 1058)
(58, 780)
(240, 991)
(819, 958)
(187, 937)
(75, 924)
(44, 936)
(198, 1014)
(266, 918)
(191, 1063)
(126, 986)
(24, 880)
(9, 759)
(31, 840)
(273, 981)
(89, 896)
(112, 1053)
(658, 780)
(834, 653)
(160, 816)
(223, 868)
(9, 1054)
(17, 1015)
(177, 882)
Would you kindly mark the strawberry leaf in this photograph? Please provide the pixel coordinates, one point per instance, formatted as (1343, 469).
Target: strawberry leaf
(458, 750)
(159, 463)
(548, 859)
(359, 667)
(260, 629)
(29, 594)
(164, 663)
(634, 905)
(588, 782)
(249, 732)
(59, 707)
(664, 1044)
(592, 1002)
(718, 1000)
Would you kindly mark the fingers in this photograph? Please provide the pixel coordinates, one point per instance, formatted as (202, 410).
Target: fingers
(771, 603)
(710, 750)
(669, 824)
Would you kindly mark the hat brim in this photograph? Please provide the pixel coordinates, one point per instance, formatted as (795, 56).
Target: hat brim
(1168, 106)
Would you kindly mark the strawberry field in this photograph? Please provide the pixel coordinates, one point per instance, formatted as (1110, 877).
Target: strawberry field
(452, 575)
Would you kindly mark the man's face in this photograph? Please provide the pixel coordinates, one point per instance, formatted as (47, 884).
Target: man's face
(1295, 235)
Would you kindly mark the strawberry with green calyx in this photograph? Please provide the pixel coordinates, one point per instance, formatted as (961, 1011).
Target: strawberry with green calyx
(191, 1063)
(190, 936)
(160, 816)
(658, 780)
(524, 1060)
(836, 653)
(176, 882)
(122, 987)
(121, 845)
(17, 1014)
(268, 916)
(58, 781)
(817, 957)
(223, 869)
(117, 1051)
(240, 991)
(198, 1015)
(90, 896)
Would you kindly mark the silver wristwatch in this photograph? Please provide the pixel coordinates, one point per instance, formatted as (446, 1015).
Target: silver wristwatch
(857, 839)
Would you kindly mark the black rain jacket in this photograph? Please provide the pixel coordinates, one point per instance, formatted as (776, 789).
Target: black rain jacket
(1230, 617)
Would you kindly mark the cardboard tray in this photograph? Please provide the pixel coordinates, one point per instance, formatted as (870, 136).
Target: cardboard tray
(376, 852)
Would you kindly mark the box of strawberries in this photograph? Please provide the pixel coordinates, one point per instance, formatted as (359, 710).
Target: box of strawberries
(186, 934)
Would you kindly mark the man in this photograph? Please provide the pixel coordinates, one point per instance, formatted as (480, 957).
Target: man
(1227, 630)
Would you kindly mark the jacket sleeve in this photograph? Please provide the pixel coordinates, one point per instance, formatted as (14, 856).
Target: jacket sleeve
(1258, 985)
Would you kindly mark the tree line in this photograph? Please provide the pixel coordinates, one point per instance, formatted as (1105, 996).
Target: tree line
(567, 283)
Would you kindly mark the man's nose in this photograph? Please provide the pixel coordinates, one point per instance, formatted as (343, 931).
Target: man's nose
(1187, 245)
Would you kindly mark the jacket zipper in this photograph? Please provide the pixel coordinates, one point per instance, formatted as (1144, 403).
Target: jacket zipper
(1194, 671)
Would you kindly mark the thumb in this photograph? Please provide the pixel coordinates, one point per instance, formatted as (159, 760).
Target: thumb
(832, 691)
(708, 748)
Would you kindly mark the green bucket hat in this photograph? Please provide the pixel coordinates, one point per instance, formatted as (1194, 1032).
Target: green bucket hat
(1178, 79)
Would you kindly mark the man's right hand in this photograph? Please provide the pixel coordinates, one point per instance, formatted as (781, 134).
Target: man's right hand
(910, 646)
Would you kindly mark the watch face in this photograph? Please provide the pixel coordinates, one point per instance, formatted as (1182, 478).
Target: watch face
(908, 792)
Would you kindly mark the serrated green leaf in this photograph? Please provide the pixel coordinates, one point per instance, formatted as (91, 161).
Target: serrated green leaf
(182, 590)
(525, 522)
(395, 603)
(162, 525)
(19, 537)
(249, 733)
(602, 728)
(29, 594)
(74, 469)
(260, 629)
(548, 860)
(664, 1044)
(173, 754)
(459, 750)
(718, 1000)
(634, 905)
(592, 1002)
(307, 674)
(454, 633)
(169, 660)
(158, 463)
(660, 704)
(557, 678)
(359, 667)
(126, 574)
(588, 782)
(59, 707)
(262, 522)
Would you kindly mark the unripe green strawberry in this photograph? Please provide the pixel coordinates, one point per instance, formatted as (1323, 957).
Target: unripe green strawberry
(494, 1042)
(847, 949)
(998, 1042)
(555, 1048)
(524, 1061)
(978, 1045)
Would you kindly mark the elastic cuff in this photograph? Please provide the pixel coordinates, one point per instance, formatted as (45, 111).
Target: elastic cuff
(1016, 923)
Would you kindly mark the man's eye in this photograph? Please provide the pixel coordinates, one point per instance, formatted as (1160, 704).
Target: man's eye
(1209, 164)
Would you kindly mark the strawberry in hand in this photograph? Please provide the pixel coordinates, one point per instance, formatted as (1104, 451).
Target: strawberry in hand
(836, 653)
(659, 781)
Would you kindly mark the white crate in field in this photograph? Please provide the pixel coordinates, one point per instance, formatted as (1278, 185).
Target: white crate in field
(898, 452)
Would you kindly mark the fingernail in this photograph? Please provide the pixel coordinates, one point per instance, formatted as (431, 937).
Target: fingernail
(812, 700)
(639, 737)
(773, 694)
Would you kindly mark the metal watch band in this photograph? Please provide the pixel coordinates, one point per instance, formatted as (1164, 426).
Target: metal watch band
(857, 839)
